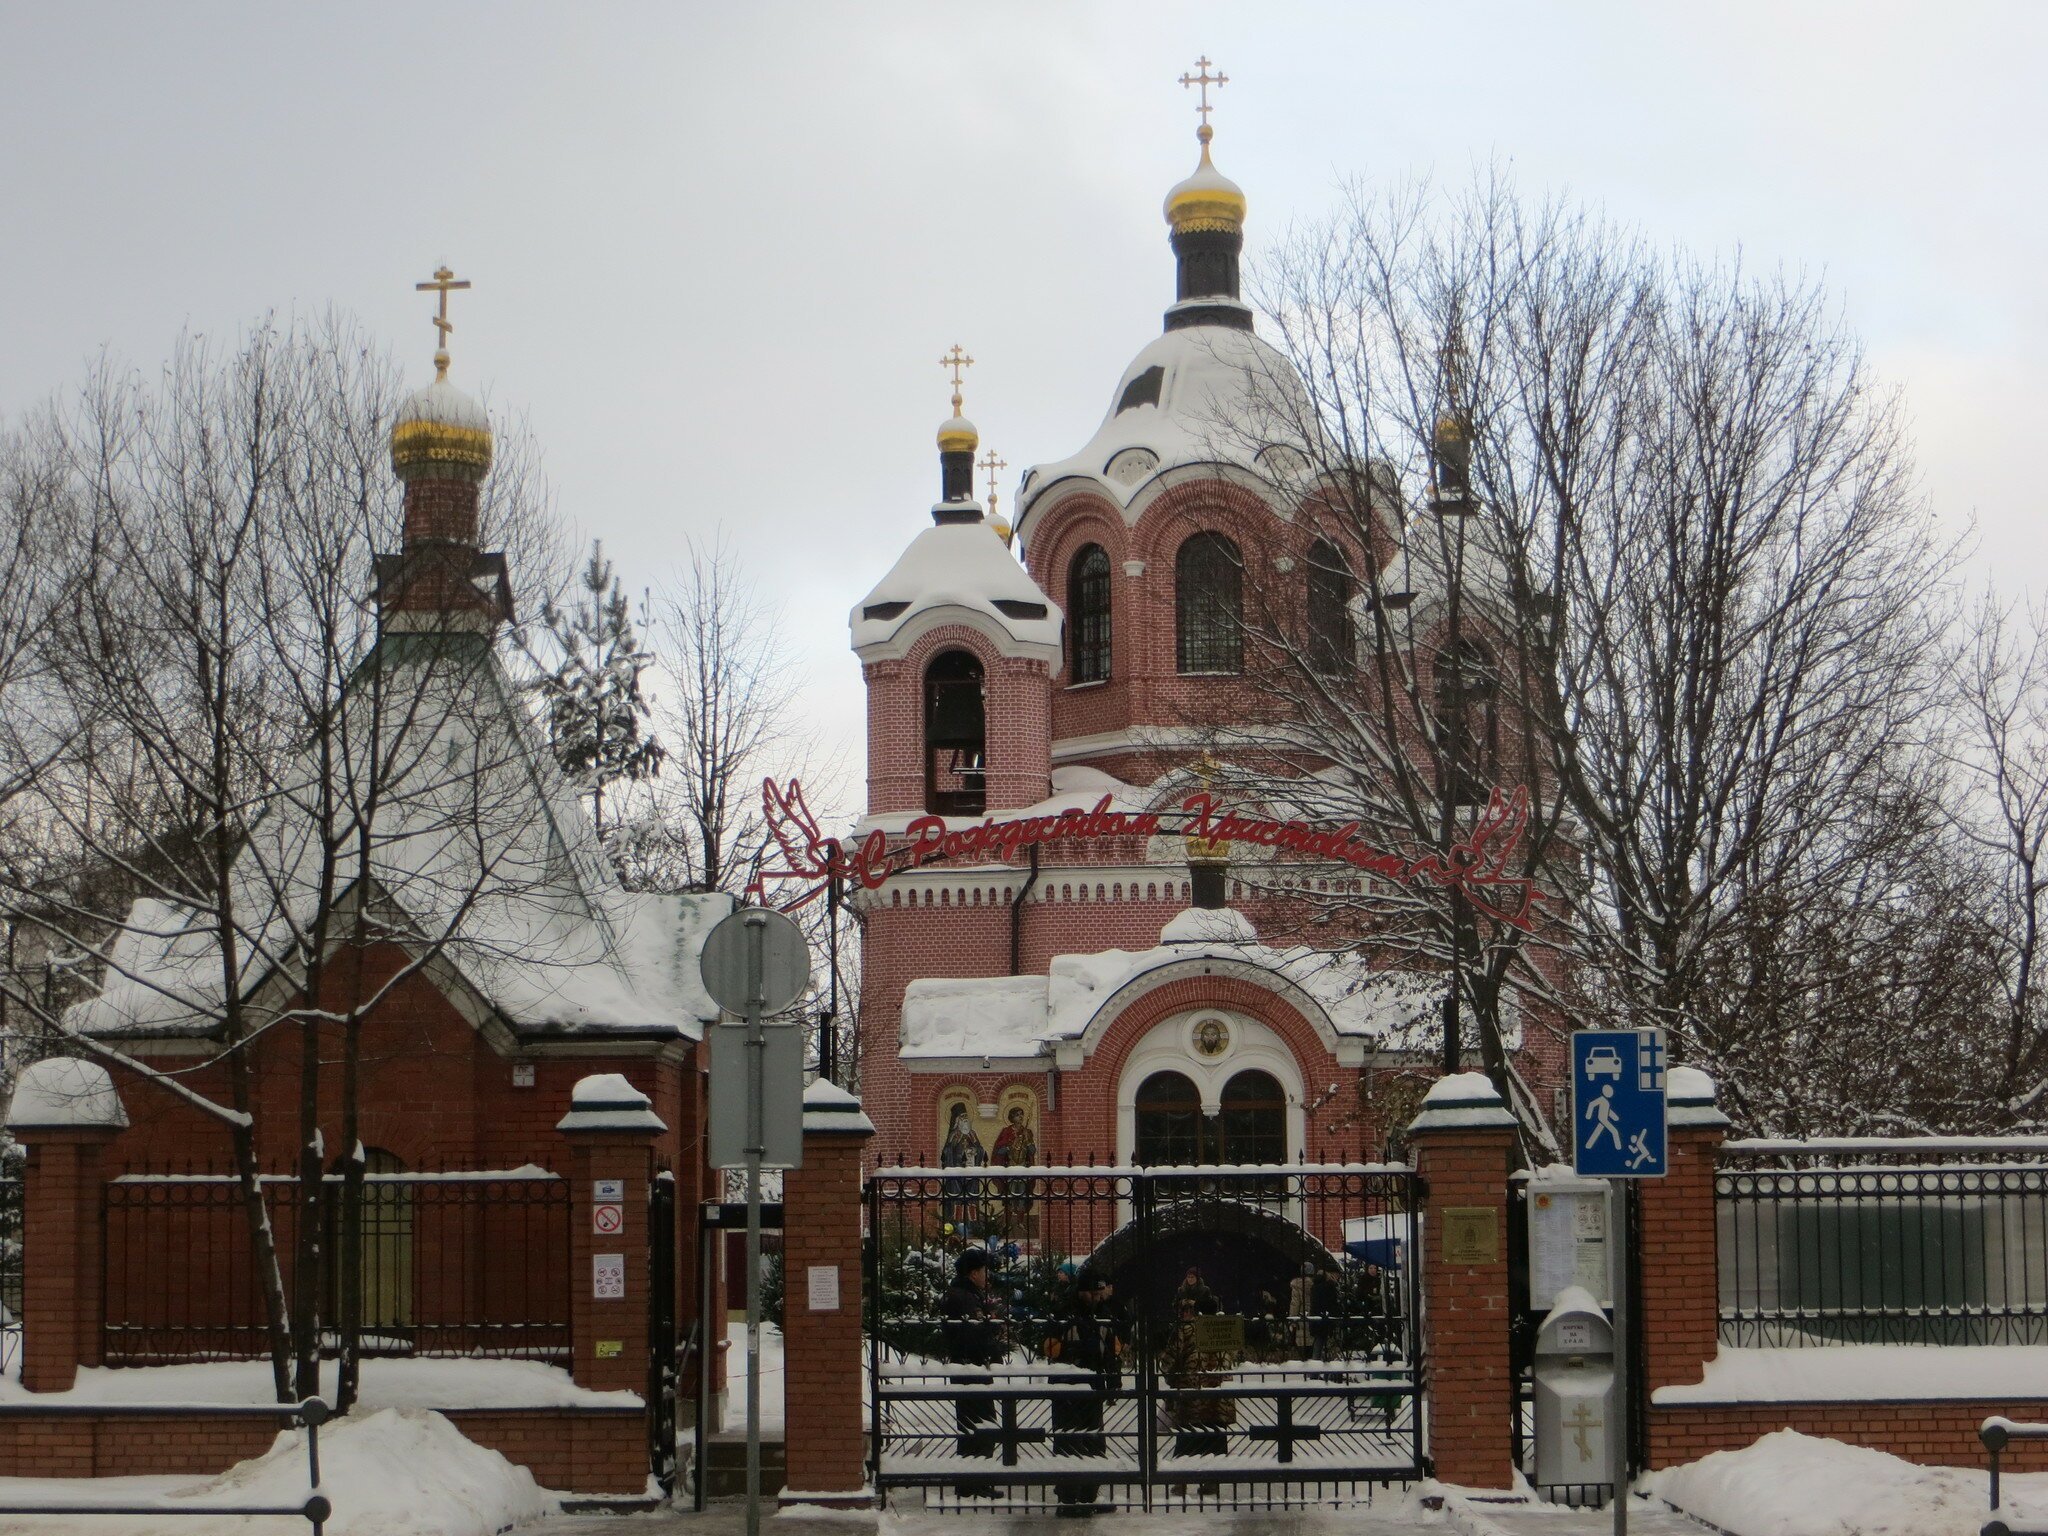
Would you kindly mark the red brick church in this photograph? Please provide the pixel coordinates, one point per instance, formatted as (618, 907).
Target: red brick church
(1135, 986)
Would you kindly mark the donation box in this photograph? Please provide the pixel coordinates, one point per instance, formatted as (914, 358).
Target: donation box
(1574, 1392)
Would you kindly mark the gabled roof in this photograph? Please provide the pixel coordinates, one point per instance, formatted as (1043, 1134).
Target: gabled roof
(478, 847)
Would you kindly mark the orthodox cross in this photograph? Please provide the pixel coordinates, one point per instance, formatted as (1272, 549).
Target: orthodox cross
(445, 281)
(957, 360)
(1582, 1419)
(1204, 80)
(1009, 1434)
(1286, 1432)
(992, 466)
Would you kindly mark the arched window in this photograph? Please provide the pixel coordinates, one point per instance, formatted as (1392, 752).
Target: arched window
(1468, 720)
(1254, 1120)
(1088, 615)
(1169, 1128)
(1332, 646)
(955, 736)
(1208, 591)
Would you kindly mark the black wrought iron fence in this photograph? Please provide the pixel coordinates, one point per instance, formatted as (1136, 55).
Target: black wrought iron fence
(1256, 1347)
(13, 1267)
(451, 1264)
(1914, 1241)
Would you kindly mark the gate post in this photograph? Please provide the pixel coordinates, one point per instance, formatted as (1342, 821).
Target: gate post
(611, 1126)
(1681, 1317)
(65, 1112)
(1462, 1141)
(824, 1434)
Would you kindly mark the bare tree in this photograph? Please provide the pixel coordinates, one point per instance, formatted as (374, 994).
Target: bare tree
(1689, 571)
(293, 811)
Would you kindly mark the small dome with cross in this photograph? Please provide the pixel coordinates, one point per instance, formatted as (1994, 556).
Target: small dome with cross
(440, 433)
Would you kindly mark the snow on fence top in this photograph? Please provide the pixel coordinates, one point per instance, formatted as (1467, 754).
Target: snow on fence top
(62, 1092)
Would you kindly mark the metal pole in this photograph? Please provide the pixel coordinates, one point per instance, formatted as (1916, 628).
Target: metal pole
(756, 1120)
(1617, 1431)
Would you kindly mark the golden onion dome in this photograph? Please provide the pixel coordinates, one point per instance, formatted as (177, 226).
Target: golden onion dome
(440, 434)
(957, 434)
(1206, 200)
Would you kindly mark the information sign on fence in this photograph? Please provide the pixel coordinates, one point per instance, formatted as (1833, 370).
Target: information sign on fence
(1618, 1103)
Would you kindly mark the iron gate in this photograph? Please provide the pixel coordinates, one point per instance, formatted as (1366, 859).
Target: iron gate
(662, 1375)
(1265, 1320)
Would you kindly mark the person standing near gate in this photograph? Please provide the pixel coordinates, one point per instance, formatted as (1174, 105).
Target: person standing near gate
(973, 1337)
(1086, 1339)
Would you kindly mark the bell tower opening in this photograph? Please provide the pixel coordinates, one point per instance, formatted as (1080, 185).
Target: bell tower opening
(955, 735)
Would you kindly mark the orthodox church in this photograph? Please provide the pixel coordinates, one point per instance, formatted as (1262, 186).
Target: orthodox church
(1059, 964)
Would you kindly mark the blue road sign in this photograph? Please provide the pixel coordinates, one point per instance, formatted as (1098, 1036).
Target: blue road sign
(1618, 1103)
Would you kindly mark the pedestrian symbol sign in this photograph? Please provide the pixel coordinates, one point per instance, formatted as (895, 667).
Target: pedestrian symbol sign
(1618, 1103)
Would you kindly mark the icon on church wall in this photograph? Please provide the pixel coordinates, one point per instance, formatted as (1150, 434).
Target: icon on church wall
(1211, 1037)
(1016, 1144)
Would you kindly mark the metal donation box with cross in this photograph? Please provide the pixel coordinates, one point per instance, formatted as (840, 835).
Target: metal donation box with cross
(1618, 1103)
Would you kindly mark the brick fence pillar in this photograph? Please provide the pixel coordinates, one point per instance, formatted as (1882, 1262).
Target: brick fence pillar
(1463, 1140)
(611, 1127)
(65, 1112)
(825, 1433)
(1680, 1258)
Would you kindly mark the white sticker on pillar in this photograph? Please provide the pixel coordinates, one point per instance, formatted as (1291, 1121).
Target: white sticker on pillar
(608, 1276)
(824, 1287)
(608, 1191)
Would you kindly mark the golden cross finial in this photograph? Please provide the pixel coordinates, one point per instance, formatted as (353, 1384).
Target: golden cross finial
(445, 281)
(992, 466)
(1204, 79)
(957, 360)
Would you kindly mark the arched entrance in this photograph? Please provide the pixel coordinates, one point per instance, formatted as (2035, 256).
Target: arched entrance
(1218, 1087)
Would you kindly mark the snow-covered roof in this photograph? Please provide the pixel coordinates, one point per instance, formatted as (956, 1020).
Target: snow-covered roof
(443, 402)
(1463, 1101)
(1199, 394)
(1012, 1017)
(964, 569)
(479, 847)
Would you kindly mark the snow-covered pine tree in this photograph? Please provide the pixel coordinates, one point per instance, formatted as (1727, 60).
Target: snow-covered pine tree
(589, 682)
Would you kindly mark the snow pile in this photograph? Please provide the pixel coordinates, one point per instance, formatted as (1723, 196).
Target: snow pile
(1789, 1484)
(389, 1474)
(1868, 1373)
(973, 1017)
(64, 1091)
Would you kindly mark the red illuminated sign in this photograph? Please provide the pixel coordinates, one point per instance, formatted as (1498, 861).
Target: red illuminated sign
(1477, 867)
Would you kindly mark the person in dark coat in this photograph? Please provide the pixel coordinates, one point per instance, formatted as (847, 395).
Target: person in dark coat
(973, 1336)
(1086, 1338)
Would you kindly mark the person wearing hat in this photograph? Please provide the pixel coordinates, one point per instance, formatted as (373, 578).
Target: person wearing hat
(1085, 1339)
(973, 1336)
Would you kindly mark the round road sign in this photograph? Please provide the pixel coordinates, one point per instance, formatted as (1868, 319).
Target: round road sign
(755, 961)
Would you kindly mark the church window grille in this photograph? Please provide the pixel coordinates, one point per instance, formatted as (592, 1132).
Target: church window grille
(955, 735)
(1332, 643)
(1209, 605)
(1088, 615)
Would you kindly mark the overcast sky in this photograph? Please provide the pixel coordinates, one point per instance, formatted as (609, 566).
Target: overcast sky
(718, 248)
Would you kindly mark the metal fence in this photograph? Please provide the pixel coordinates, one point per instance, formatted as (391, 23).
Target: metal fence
(451, 1264)
(1262, 1323)
(13, 1265)
(1910, 1241)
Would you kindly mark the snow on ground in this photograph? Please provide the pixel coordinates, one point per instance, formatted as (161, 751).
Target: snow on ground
(393, 1473)
(1789, 1484)
(1867, 1373)
(386, 1384)
(771, 1379)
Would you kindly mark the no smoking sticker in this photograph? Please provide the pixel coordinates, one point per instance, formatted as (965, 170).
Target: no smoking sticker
(607, 1220)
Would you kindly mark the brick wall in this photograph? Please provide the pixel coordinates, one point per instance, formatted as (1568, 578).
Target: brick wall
(825, 1431)
(1931, 1434)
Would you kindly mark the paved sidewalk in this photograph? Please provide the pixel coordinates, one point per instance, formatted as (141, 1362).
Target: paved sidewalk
(1393, 1516)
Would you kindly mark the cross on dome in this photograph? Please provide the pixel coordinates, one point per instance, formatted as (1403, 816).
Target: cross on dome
(958, 361)
(1204, 79)
(444, 282)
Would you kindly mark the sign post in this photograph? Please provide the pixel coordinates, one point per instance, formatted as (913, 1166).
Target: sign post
(1618, 1133)
(756, 963)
